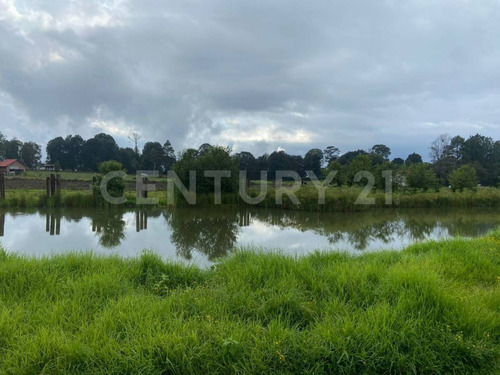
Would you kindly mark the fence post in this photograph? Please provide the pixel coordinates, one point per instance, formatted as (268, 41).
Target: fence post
(47, 181)
(52, 184)
(2, 186)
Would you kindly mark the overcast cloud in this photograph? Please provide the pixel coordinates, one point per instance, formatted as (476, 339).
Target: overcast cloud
(254, 75)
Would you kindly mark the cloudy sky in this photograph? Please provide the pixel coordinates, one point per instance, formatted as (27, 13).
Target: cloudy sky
(255, 75)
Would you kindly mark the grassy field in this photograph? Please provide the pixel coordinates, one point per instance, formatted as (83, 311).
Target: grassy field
(433, 308)
(336, 199)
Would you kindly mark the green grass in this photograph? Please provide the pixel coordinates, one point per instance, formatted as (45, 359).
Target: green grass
(65, 175)
(433, 308)
(336, 199)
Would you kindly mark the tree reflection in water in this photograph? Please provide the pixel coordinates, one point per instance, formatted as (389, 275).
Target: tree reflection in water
(109, 226)
(211, 232)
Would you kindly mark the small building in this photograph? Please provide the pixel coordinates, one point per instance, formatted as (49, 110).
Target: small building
(48, 167)
(12, 166)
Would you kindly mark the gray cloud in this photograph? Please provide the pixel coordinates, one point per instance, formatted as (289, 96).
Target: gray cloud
(254, 75)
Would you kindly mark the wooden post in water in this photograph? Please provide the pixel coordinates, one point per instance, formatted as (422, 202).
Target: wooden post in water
(2, 224)
(2, 186)
(137, 224)
(52, 184)
(47, 222)
(52, 224)
(145, 221)
(58, 225)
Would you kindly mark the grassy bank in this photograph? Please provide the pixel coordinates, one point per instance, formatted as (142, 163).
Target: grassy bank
(433, 308)
(336, 199)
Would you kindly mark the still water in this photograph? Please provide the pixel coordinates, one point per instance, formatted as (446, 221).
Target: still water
(202, 235)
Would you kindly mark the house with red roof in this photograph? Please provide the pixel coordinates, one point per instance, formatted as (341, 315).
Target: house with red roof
(10, 166)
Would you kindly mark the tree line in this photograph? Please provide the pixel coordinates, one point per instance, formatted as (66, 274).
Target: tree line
(477, 158)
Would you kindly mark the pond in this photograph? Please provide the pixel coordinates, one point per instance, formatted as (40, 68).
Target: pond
(202, 235)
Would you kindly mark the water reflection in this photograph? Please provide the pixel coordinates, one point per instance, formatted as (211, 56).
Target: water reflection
(212, 233)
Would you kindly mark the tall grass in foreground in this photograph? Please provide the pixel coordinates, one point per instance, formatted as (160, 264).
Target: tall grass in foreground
(433, 308)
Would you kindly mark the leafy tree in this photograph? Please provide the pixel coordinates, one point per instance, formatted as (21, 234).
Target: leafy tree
(381, 150)
(153, 156)
(298, 165)
(464, 177)
(3, 140)
(262, 163)
(248, 163)
(31, 154)
(102, 147)
(278, 161)
(214, 158)
(413, 159)
(56, 150)
(398, 161)
(455, 149)
(168, 156)
(340, 177)
(13, 149)
(312, 161)
(115, 187)
(330, 154)
(57, 166)
(421, 176)
(74, 145)
(360, 163)
(349, 156)
(129, 159)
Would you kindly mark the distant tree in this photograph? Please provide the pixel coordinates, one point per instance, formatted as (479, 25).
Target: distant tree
(440, 148)
(341, 177)
(477, 148)
(349, 156)
(330, 154)
(464, 177)
(13, 149)
(297, 163)
(312, 161)
(74, 145)
(3, 140)
(115, 187)
(31, 153)
(278, 160)
(262, 163)
(102, 147)
(381, 150)
(214, 158)
(56, 150)
(135, 137)
(398, 161)
(153, 156)
(359, 164)
(129, 159)
(421, 176)
(413, 159)
(168, 156)
(455, 149)
(57, 166)
(248, 163)
(205, 147)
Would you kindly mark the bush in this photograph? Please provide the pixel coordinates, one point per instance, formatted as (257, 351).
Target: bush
(115, 187)
(464, 177)
(215, 158)
(421, 176)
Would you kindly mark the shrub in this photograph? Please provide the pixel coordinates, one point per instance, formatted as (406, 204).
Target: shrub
(421, 176)
(464, 177)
